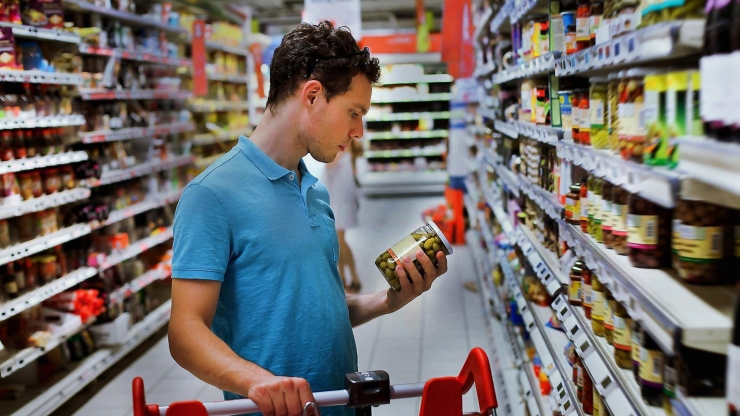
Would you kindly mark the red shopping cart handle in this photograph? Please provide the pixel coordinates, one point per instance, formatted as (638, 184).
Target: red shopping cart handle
(440, 396)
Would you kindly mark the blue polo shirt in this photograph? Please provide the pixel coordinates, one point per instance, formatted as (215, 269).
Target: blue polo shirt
(247, 223)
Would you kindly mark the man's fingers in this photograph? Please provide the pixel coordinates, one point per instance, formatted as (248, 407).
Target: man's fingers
(441, 263)
(430, 273)
(417, 282)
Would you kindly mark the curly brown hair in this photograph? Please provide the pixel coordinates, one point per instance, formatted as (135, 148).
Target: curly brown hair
(322, 52)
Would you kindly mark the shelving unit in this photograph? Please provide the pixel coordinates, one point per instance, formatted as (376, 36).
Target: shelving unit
(135, 133)
(30, 32)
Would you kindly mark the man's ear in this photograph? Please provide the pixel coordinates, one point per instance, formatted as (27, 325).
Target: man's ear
(310, 92)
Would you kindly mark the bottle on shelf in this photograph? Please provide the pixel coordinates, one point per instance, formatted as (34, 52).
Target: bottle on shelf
(651, 371)
(622, 337)
(586, 291)
(597, 310)
(636, 352)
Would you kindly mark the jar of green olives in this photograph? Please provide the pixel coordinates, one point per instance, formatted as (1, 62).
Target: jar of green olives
(427, 239)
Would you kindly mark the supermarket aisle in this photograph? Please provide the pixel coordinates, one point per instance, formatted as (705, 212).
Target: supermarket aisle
(430, 337)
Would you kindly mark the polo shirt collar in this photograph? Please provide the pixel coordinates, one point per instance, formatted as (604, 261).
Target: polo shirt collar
(264, 163)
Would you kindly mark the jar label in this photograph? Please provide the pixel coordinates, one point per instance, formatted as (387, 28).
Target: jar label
(606, 212)
(636, 347)
(594, 22)
(584, 208)
(642, 231)
(622, 340)
(582, 29)
(700, 243)
(577, 118)
(597, 207)
(574, 293)
(627, 120)
(11, 287)
(733, 376)
(407, 247)
(608, 315)
(570, 42)
(651, 368)
(676, 241)
(619, 221)
(597, 309)
(597, 113)
(586, 294)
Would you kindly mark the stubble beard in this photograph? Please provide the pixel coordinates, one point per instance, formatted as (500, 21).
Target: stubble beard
(313, 147)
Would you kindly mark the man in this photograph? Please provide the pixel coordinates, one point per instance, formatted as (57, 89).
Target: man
(258, 307)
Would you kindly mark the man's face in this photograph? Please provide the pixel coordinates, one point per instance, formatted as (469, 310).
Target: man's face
(334, 124)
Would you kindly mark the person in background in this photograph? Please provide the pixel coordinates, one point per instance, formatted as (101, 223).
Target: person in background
(340, 181)
(258, 306)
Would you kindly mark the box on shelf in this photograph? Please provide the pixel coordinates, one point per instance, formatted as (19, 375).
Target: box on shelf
(112, 333)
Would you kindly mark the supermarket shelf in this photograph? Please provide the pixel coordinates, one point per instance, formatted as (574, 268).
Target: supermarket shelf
(152, 202)
(538, 66)
(137, 248)
(234, 50)
(236, 78)
(213, 106)
(390, 135)
(543, 198)
(40, 77)
(617, 386)
(138, 56)
(501, 20)
(135, 132)
(140, 170)
(226, 136)
(424, 79)
(42, 243)
(668, 40)
(389, 183)
(45, 401)
(202, 163)
(30, 32)
(544, 263)
(43, 202)
(19, 165)
(139, 283)
(657, 184)
(544, 134)
(128, 18)
(700, 406)
(95, 94)
(483, 22)
(524, 7)
(703, 318)
(444, 96)
(42, 293)
(711, 171)
(390, 154)
(42, 122)
(436, 115)
(26, 356)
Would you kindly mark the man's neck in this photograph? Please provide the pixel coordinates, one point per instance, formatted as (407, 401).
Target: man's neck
(276, 136)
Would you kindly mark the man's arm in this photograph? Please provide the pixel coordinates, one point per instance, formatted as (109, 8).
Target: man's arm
(365, 308)
(197, 349)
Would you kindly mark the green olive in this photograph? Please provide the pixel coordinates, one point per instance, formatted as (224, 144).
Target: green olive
(391, 264)
(430, 254)
(395, 284)
(436, 247)
(383, 265)
(417, 237)
(428, 244)
(386, 256)
(389, 274)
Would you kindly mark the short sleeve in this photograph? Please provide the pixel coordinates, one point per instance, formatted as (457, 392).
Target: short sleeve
(202, 232)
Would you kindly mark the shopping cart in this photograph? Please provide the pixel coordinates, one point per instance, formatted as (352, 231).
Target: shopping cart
(440, 396)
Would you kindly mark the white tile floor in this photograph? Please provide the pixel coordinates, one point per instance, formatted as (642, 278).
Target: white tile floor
(429, 338)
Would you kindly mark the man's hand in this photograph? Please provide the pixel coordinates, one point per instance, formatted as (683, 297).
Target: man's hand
(417, 285)
(280, 396)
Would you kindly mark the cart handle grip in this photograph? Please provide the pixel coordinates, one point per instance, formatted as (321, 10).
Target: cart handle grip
(477, 369)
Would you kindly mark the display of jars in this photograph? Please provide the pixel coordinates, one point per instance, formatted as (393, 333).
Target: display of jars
(649, 233)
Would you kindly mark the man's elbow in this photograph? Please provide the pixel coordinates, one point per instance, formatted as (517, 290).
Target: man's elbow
(176, 342)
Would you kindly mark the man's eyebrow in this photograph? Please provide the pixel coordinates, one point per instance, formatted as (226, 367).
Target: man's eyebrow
(361, 108)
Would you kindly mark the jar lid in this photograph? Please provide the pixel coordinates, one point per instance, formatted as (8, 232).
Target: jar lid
(613, 76)
(441, 236)
(575, 188)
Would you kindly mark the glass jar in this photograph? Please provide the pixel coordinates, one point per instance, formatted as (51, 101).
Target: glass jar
(25, 183)
(52, 180)
(588, 393)
(47, 267)
(584, 205)
(597, 110)
(703, 242)
(19, 145)
(427, 239)
(573, 204)
(6, 145)
(651, 371)
(609, 306)
(612, 93)
(583, 14)
(591, 203)
(622, 337)
(594, 20)
(574, 291)
(586, 291)
(636, 337)
(68, 177)
(585, 126)
(606, 213)
(597, 310)
(566, 109)
(632, 130)
(620, 199)
(670, 379)
(598, 210)
(37, 186)
(576, 127)
(649, 233)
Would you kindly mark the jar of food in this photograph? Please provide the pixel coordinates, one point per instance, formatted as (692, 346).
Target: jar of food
(46, 142)
(649, 233)
(622, 337)
(632, 129)
(52, 180)
(566, 109)
(47, 221)
(19, 145)
(576, 128)
(584, 205)
(47, 267)
(427, 239)
(598, 210)
(651, 371)
(571, 45)
(597, 403)
(579, 380)
(609, 306)
(573, 204)
(703, 242)
(636, 336)
(670, 379)
(25, 183)
(606, 213)
(597, 110)
(586, 291)
(4, 234)
(588, 393)
(594, 20)
(6, 145)
(31, 140)
(583, 35)
(68, 177)
(585, 126)
(591, 203)
(574, 292)
(37, 186)
(620, 199)
(612, 93)
(597, 310)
